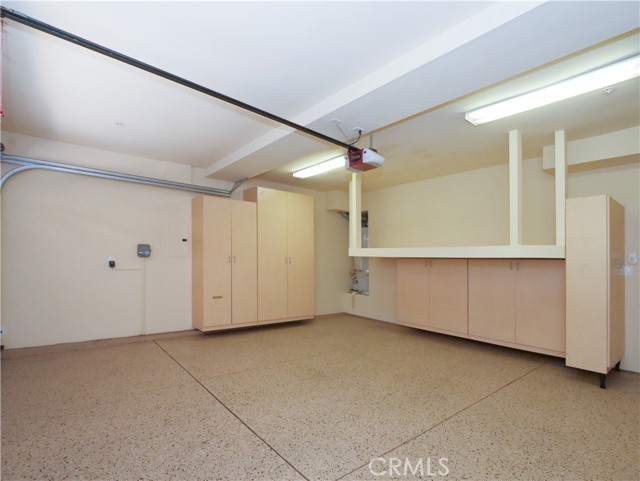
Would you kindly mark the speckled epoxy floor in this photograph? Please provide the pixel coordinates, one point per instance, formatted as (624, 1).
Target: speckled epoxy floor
(337, 398)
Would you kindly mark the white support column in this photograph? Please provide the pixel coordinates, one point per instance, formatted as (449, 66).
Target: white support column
(515, 187)
(561, 185)
(355, 212)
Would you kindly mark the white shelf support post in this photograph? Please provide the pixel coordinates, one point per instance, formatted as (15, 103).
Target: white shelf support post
(355, 212)
(561, 185)
(515, 188)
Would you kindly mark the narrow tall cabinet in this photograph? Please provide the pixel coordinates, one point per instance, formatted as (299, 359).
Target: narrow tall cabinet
(224, 263)
(286, 263)
(595, 284)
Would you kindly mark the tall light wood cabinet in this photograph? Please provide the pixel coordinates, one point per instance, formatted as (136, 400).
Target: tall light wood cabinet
(518, 302)
(286, 264)
(432, 293)
(224, 262)
(244, 263)
(595, 283)
(301, 252)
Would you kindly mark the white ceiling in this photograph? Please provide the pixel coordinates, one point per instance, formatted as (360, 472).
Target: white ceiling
(406, 70)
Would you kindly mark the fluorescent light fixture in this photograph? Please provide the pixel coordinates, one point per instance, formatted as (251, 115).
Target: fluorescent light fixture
(320, 168)
(588, 82)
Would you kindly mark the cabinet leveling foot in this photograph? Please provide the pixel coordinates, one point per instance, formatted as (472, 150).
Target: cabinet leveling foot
(603, 377)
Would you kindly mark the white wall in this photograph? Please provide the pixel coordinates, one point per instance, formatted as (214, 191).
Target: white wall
(471, 208)
(58, 230)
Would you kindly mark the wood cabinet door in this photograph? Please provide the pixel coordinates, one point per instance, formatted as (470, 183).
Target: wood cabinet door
(492, 299)
(301, 256)
(587, 268)
(448, 294)
(216, 259)
(616, 294)
(244, 275)
(540, 303)
(412, 292)
(272, 254)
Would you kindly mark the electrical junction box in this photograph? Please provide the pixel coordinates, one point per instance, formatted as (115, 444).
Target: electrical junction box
(144, 250)
(361, 160)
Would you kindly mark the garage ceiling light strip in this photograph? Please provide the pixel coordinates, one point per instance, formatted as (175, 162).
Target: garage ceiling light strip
(588, 82)
(69, 37)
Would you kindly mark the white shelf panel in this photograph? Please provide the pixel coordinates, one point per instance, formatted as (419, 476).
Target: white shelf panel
(469, 252)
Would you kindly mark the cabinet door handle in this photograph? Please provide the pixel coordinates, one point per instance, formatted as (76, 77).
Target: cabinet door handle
(229, 260)
(234, 259)
(511, 265)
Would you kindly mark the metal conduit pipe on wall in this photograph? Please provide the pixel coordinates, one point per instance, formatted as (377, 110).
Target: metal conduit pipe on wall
(31, 164)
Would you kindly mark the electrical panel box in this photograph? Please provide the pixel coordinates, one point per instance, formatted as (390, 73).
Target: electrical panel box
(144, 250)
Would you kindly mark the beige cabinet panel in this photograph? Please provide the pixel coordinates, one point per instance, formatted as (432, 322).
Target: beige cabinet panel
(412, 292)
(211, 271)
(301, 253)
(616, 293)
(518, 301)
(224, 262)
(197, 261)
(433, 293)
(286, 254)
(540, 303)
(587, 275)
(448, 294)
(594, 283)
(272, 254)
(492, 299)
(244, 277)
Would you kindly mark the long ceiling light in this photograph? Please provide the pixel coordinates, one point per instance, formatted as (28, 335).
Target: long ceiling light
(588, 82)
(320, 168)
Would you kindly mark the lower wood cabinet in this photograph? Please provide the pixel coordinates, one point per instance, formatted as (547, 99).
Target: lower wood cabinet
(519, 302)
(432, 293)
(540, 304)
(492, 299)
